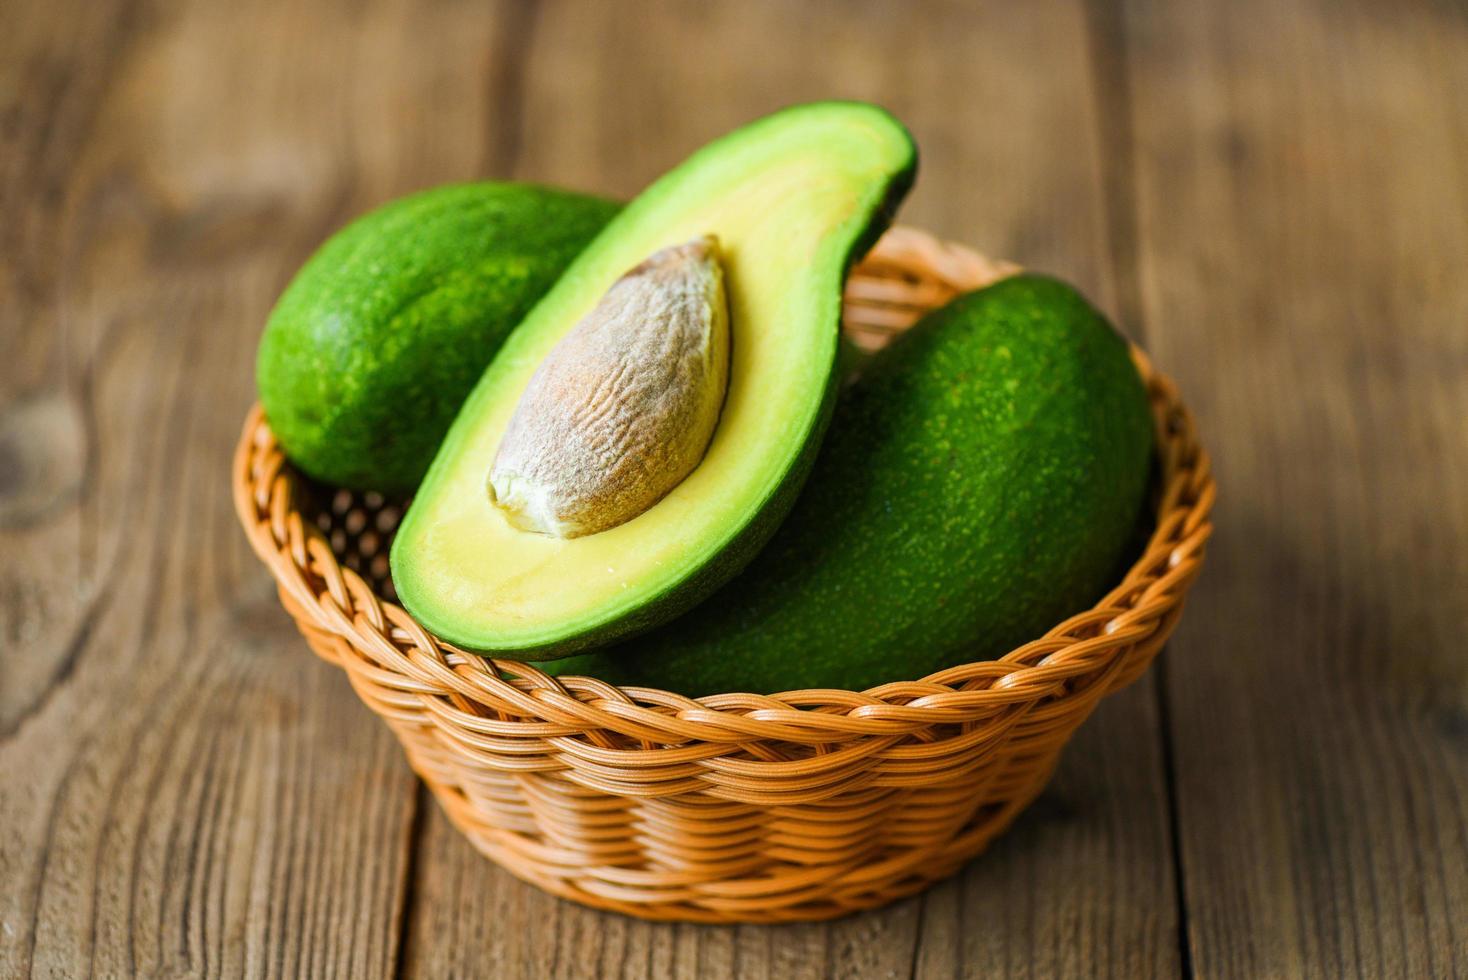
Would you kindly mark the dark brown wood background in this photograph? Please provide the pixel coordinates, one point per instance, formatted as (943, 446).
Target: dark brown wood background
(1271, 196)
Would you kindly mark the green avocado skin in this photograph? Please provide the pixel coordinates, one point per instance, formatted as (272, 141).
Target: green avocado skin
(374, 345)
(981, 481)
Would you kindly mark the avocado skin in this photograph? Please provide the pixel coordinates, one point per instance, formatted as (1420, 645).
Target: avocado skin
(374, 345)
(981, 481)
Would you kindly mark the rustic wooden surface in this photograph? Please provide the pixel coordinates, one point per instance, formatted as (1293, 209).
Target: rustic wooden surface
(1273, 196)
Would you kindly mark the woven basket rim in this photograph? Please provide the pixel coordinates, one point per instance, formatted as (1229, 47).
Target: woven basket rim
(1144, 605)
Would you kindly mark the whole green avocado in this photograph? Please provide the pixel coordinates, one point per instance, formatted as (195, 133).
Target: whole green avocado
(982, 480)
(374, 345)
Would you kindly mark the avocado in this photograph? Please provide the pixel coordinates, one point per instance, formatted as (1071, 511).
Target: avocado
(375, 343)
(981, 481)
(791, 199)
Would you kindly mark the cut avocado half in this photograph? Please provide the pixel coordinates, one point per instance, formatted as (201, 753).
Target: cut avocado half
(793, 199)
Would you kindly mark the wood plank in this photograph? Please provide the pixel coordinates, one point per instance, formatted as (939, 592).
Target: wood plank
(1302, 176)
(1001, 100)
(186, 789)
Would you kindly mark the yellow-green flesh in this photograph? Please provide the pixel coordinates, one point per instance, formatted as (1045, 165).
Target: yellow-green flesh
(789, 198)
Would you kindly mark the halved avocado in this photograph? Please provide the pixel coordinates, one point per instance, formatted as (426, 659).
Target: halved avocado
(793, 200)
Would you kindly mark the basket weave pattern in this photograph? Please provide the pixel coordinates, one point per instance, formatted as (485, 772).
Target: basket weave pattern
(735, 807)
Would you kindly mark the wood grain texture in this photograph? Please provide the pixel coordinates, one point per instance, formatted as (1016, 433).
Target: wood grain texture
(1273, 195)
(1085, 886)
(1302, 182)
(184, 793)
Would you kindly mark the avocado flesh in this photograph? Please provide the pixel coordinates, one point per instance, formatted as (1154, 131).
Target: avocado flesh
(793, 199)
(981, 481)
(384, 331)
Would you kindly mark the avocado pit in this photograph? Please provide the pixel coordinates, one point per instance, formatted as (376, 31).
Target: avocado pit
(623, 407)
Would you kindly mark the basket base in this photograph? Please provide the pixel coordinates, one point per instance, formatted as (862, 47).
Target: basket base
(864, 878)
(921, 868)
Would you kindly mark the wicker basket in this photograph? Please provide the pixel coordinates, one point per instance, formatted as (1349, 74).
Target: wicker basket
(737, 807)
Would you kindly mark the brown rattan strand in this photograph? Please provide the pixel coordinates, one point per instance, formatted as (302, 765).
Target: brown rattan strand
(736, 807)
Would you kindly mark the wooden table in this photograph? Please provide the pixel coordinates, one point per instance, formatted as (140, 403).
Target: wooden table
(1271, 196)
